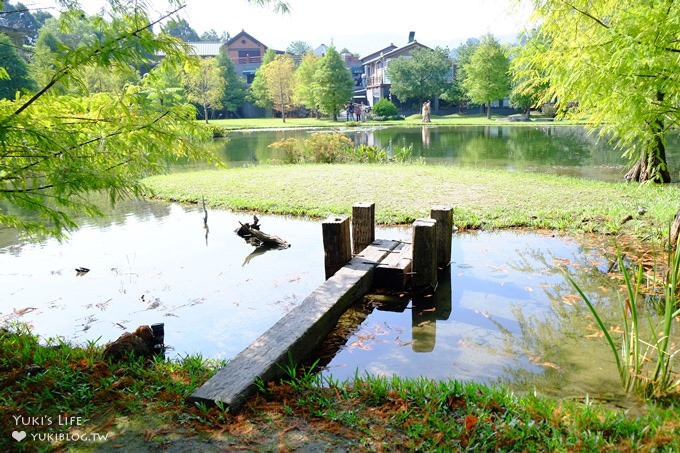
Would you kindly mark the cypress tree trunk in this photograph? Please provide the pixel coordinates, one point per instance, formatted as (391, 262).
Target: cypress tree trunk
(652, 164)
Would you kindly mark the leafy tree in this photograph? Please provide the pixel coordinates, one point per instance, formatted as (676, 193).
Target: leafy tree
(210, 35)
(487, 73)
(17, 78)
(619, 66)
(304, 78)
(205, 84)
(280, 78)
(22, 18)
(298, 48)
(258, 92)
(333, 83)
(235, 89)
(421, 76)
(164, 85)
(181, 29)
(461, 57)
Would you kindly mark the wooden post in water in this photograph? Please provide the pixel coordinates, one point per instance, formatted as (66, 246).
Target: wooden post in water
(444, 217)
(424, 265)
(337, 244)
(363, 226)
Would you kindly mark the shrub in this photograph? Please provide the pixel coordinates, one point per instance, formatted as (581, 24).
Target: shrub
(292, 153)
(328, 147)
(385, 109)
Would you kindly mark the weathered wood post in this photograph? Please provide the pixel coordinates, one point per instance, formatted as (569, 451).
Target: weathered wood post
(337, 244)
(363, 226)
(424, 265)
(444, 217)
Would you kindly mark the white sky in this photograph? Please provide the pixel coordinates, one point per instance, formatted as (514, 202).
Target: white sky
(361, 26)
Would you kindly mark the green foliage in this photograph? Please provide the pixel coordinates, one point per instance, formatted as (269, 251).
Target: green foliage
(17, 77)
(384, 108)
(235, 89)
(332, 84)
(258, 92)
(487, 73)
(279, 76)
(55, 149)
(304, 78)
(180, 28)
(421, 76)
(298, 48)
(620, 65)
(205, 84)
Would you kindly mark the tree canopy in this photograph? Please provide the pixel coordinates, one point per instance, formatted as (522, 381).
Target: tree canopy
(279, 76)
(617, 67)
(17, 70)
(422, 75)
(205, 84)
(332, 83)
(487, 74)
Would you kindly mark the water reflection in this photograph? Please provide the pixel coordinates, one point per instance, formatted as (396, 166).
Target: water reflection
(504, 312)
(565, 150)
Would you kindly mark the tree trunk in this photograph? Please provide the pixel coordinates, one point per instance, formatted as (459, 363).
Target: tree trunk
(488, 110)
(652, 165)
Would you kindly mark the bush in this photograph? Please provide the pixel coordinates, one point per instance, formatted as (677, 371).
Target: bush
(328, 147)
(385, 109)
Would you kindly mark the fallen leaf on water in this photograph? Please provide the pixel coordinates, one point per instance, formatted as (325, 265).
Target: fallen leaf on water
(570, 299)
(463, 344)
(551, 365)
(23, 311)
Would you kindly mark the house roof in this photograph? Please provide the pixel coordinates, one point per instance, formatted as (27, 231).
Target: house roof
(243, 34)
(395, 52)
(206, 48)
(373, 55)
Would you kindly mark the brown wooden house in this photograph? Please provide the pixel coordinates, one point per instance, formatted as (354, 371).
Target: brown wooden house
(246, 53)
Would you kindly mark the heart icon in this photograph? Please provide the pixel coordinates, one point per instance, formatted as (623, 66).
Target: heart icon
(19, 435)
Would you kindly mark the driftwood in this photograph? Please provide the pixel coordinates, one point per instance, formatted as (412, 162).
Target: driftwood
(252, 234)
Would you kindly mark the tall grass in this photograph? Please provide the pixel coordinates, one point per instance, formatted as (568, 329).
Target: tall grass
(644, 359)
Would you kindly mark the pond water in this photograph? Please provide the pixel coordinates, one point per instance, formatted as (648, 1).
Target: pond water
(504, 311)
(563, 150)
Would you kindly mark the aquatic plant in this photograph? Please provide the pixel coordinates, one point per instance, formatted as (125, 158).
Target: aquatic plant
(644, 363)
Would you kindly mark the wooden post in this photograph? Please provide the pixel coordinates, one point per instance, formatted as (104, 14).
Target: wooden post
(337, 246)
(424, 265)
(363, 226)
(444, 217)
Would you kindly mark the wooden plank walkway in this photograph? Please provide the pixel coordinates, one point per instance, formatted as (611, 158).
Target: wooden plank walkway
(298, 333)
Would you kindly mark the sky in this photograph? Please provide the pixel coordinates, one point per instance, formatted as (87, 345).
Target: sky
(361, 26)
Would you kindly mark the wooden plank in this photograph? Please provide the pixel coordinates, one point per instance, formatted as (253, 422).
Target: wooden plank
(394, 272)
(424, 277)
(444, 217)
(298, 333)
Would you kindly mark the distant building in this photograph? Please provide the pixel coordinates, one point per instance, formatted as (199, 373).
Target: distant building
(375, 65)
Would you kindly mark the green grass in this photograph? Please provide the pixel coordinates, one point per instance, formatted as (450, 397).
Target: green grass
(403, 192)
(412, 120)
(142, 406)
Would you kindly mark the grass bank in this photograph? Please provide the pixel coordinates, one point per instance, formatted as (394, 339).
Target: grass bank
(56, 397)
(412, 120)
(481, 198)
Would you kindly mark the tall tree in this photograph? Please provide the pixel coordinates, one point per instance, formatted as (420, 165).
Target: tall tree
(258, 92)
(17, 78)
(280, 78)
(487, 74)
(304, 78)
(421, 76)
(181, 29)
(333, 83)
(620, 65)
(235, 89)
(298, 48)
(529, 85)
(461, 56)
(205, 85)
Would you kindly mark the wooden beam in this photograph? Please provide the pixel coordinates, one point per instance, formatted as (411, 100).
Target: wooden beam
(297, 334)
(337, 246)
(363, 225)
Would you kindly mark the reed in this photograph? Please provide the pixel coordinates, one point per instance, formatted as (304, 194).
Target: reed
(644, 358)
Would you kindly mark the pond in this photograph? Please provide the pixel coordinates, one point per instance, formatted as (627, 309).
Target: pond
(504, 311)
(562, 150)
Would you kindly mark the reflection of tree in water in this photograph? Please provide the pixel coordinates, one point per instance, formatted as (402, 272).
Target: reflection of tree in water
(565, 342)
